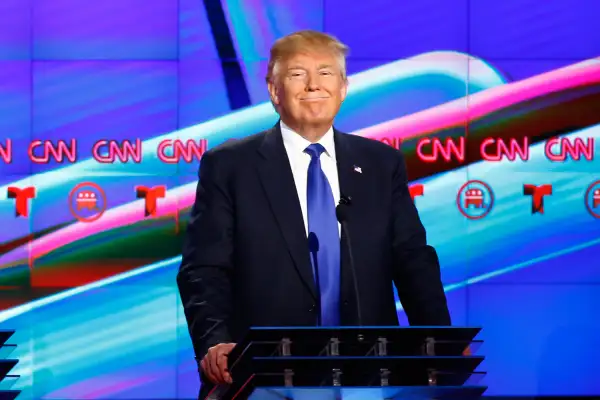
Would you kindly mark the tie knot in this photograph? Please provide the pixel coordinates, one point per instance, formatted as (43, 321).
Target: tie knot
(315, 150)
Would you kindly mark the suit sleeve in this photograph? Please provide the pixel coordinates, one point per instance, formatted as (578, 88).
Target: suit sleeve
(416, 265)
(204, 277)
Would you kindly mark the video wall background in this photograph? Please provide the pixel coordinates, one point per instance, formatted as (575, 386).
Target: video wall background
(95, 304)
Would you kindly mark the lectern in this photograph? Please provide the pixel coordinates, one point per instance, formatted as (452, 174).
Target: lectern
(360, 363)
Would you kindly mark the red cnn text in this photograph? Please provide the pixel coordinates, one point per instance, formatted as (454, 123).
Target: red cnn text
(189, 151)
(557, 149)
(432, 149)
(496, 149)
(107, 151)
(6, 151)
(59, 151)
(393, 142)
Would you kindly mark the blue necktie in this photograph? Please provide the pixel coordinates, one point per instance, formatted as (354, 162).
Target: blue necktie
(322, 222)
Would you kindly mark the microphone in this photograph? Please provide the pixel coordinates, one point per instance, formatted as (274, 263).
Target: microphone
(313, 247)
(341, 212)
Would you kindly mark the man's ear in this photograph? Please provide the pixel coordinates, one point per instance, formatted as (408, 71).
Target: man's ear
(344, 89)
(273, 92)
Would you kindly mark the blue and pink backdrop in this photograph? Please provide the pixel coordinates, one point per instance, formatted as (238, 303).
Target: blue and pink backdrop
(95, 304)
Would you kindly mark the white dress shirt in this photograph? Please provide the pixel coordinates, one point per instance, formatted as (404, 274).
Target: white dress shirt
(299, 161)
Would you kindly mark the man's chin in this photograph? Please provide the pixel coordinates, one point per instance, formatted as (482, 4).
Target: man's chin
(318, 119)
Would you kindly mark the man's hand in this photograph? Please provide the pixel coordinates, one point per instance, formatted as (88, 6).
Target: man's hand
(214, 363)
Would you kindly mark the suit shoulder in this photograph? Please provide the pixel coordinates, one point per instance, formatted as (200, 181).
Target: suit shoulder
(234, 148)
(374, 148)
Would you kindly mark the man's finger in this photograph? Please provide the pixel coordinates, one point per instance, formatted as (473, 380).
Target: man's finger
(223, 364)
(215, 366)
(204, 366)
(211, 366)
(215, 363)
(227, 375)
(213, 369)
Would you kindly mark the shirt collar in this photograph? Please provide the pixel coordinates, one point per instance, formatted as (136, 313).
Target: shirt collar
(298, 143)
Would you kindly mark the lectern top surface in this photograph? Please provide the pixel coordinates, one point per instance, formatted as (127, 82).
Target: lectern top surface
(391, 333)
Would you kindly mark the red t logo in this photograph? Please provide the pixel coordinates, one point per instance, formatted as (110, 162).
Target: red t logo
(150, 194)
(537, 194)
(21, 196)
(416, 190)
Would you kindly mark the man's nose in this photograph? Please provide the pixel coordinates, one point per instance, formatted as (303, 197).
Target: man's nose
(312, 82)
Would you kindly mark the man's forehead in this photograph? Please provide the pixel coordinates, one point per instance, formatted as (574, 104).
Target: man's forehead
(310, 59)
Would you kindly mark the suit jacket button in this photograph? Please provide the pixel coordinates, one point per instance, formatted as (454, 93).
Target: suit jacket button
(312, 308)
(345, 302)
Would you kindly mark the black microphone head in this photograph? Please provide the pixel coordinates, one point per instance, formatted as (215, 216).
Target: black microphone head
(346, 200)
(341, 212)
(313, 242)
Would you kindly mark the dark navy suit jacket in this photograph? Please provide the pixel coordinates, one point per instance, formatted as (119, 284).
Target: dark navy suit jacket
(246, 260)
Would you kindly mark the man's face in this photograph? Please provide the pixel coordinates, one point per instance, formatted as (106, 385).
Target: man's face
(309, 89)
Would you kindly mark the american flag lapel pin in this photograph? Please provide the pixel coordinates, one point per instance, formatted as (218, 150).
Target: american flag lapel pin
(358, 169)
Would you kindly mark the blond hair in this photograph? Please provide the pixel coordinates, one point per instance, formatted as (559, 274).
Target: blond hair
(302, 42)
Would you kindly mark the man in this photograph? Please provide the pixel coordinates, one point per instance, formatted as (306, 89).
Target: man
(246, 259)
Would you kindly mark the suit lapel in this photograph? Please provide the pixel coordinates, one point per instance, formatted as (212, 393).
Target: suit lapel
(351, 182)
(354, 184)
(278, 182)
